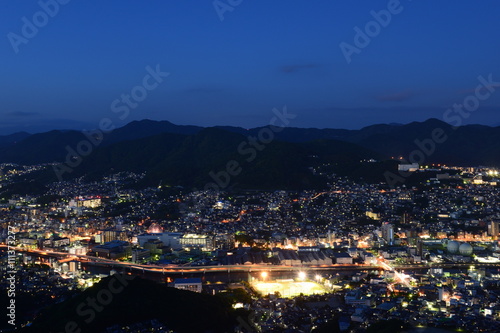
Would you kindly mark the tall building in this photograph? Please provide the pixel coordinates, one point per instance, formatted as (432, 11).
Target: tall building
(388, 233)
(493, 228)
(441, 294)
(420, 248)
(110, 235)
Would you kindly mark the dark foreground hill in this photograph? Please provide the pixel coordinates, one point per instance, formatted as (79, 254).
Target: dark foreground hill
(119, 300)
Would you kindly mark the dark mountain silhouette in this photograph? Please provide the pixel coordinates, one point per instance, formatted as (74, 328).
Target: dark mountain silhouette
(200, 159)
(41, 148)
(145, 128)
(8, 140)
(465, 145)
(52, 146)
(194, 156)
(137, 301)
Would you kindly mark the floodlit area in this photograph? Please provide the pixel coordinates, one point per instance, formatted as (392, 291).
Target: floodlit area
(289, 288)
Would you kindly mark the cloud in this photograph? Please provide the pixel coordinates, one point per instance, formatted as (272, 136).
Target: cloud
(21, 114)
(396, 97)
(296, 68)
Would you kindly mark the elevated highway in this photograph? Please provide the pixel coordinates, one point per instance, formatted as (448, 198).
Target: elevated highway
(178, 269)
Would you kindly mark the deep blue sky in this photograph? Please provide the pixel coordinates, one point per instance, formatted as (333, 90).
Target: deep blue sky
(264, 54)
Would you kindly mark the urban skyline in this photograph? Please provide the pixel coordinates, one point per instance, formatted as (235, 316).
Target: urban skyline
(250, 166)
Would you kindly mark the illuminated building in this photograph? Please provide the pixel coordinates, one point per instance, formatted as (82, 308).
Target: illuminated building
(493, 228)
(193, 241)
(192, 284)
(388, 233)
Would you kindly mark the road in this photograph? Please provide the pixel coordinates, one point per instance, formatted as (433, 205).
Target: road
(90, 260)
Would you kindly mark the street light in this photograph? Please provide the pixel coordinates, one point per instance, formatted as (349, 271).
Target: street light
(263, 275)
(318, 277)
(302, 276)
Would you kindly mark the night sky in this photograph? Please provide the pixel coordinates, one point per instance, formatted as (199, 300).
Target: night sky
(263, 54)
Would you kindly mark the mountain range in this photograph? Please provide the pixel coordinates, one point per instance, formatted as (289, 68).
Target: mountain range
(262, 157)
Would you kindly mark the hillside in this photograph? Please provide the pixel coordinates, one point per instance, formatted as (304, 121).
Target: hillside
(196, 160)
(133, 301)
(193, 157)
(466, 145)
